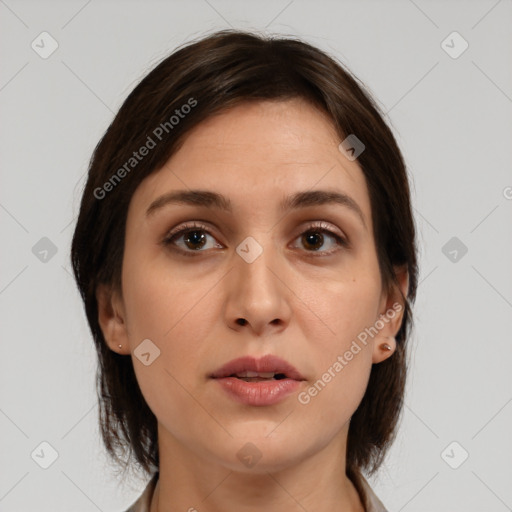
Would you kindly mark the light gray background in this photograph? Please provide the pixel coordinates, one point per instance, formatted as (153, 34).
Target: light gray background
(452, 118)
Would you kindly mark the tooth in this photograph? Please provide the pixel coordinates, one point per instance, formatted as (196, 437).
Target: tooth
(248, 374)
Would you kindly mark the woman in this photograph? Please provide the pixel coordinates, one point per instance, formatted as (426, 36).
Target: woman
(245, 250)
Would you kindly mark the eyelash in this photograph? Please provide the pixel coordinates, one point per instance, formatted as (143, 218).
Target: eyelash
(319, 227)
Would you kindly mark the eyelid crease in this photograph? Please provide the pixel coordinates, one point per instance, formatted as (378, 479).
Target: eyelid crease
(319, 226)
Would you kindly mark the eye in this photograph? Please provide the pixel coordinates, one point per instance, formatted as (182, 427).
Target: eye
(194, 238)
(314, 238)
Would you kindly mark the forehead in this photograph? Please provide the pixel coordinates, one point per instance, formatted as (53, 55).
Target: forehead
(256, 153)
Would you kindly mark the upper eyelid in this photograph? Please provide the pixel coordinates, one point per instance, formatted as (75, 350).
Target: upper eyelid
(320, 225)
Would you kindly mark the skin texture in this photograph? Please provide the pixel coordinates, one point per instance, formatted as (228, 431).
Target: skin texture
(299, 305)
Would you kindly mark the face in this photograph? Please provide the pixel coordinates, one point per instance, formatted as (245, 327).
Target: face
(305, 280)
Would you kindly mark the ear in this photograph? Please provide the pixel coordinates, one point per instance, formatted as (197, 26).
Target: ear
(111, 318)
(392, 309)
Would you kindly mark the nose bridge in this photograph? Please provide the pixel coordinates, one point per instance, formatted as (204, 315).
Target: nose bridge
(258, 260)
(257, 297)
(257, 293)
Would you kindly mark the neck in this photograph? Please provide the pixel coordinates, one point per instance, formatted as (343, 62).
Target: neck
(193, 483)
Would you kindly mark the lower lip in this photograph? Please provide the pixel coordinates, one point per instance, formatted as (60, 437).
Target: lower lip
(258, 393)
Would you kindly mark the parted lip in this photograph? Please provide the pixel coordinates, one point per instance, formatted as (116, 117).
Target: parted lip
(267, 363)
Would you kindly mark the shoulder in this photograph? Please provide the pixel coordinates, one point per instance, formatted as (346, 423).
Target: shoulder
(144, 501)
(369, 498)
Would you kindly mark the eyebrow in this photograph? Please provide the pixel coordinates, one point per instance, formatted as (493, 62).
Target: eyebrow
(295, 201)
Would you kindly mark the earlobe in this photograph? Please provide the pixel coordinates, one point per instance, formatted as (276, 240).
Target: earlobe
(383, 349)
(111, 319)
(391, 318)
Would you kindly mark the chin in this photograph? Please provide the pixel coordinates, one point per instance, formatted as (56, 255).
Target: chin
(261, 454)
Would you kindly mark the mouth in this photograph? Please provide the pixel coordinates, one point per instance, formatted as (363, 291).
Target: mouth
(258, 377)
(258, 382)
(250, 369)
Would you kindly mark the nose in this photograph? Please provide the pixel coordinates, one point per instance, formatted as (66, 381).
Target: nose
(258, 297)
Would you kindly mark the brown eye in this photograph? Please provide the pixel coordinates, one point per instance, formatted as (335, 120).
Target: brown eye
(313, 240)
(317, 237)
(194, 239)
(190, 240)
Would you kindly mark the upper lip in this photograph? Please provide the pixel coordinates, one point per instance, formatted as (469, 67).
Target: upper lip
(265, 364)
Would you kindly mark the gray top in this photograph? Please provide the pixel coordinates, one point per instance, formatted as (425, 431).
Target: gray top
(370, 500)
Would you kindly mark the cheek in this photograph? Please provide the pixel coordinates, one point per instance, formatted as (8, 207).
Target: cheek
(173, 309)
(342, 361)
(343, 309)
(177, 315)
(336, 395)
(157, 298)
(340, 308)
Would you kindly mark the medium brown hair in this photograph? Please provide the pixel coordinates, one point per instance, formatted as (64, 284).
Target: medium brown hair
(218, 72)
